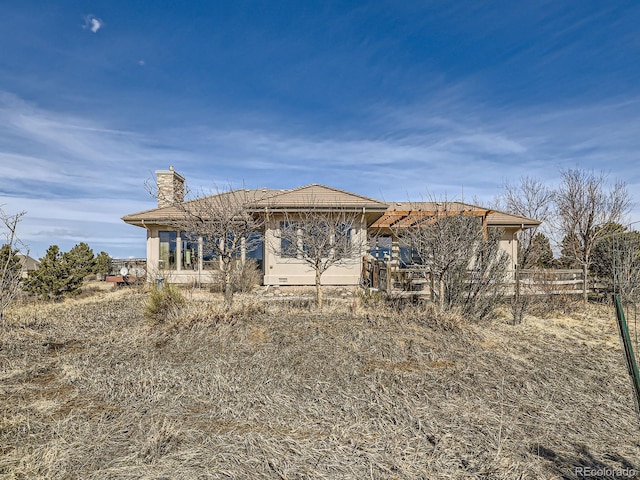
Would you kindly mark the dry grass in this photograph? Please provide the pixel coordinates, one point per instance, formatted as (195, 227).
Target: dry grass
(90, 390)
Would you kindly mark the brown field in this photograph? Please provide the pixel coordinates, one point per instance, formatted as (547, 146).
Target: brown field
(91, 390)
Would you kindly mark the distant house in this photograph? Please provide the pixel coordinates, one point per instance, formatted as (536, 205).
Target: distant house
(183, 259)
(28, 264)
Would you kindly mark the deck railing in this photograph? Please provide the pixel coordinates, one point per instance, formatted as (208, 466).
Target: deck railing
(389, 277)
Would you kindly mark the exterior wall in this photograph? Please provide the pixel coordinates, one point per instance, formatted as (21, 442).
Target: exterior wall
(286, 271)
(153, 252)
(294, 271)
(509, 243)
(177, 275)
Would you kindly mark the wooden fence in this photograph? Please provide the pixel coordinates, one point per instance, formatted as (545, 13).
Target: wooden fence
(386, 276)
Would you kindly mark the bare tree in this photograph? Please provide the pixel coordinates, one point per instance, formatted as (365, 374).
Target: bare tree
(584, 204)
(532, 199)
(226, 220)
(10, 263)
(463, 257)
(320, 238)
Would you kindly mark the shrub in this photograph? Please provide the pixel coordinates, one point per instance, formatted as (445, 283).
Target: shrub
(244, 277)
(164, 304)
(10, 276)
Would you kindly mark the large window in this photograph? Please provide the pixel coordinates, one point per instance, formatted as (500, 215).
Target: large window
(287, 249)
(168, 250)
(255, 244)
(190, 249)
(210, 259)
(315, 239)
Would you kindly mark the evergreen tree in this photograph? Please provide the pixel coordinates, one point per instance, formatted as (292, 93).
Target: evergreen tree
(60, 273)
(81, 261)
(542, 255)
(49, 281)
(604, 251)
(570, 252)
(102, 264)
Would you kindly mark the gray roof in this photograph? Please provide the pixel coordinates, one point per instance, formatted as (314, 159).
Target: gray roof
(329, 198)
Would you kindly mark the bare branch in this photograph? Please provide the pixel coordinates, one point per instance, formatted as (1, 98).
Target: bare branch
(463, 258)
(320, 238)
(225, 219)
(10, 264)
(584, 206)
(532, 199)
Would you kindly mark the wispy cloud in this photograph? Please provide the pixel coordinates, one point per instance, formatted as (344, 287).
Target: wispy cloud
(92, 23)
(81, 175)
(73, 173)
(73, 151)
(463, 147)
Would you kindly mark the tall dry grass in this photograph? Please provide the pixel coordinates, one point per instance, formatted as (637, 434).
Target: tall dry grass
(89, 389)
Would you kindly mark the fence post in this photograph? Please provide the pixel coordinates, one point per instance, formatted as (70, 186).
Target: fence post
(389, 281)
(432, 286)
(376, 275)
(629, 354)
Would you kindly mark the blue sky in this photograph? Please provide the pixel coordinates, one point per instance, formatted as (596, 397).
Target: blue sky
(388, 99)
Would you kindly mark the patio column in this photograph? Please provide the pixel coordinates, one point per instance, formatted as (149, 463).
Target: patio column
(153, 253)
(395, 252)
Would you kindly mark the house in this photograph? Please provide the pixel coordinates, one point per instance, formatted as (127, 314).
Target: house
(28, 264)
(181, 258)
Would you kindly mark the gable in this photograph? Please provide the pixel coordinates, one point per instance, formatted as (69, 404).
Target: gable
(320, 196)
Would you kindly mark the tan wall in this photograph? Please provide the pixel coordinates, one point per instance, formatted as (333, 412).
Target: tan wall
(153, 252)
(293, 271)
(290, 271)
(171, 276)
(509, 243)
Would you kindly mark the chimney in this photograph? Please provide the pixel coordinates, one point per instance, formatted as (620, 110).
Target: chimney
(170, 187)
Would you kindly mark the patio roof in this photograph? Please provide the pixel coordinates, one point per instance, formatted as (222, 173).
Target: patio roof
(407, 214)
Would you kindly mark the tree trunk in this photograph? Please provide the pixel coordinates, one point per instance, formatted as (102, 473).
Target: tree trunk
(228, 288)
(318, 290)
(441, 294)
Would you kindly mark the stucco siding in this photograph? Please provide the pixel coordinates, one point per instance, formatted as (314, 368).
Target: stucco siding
(295, 271)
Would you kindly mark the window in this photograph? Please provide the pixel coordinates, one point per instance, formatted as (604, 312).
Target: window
(255, 247)
(287, 249)
(343, 238)
(167, 260)
(209, 256)
(190, 251)
(381, 247)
